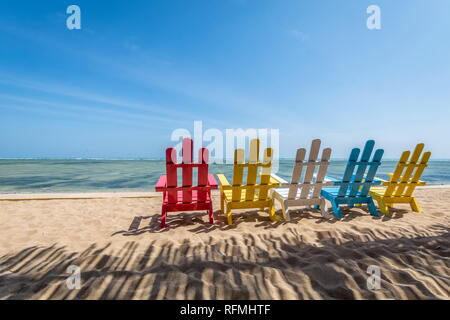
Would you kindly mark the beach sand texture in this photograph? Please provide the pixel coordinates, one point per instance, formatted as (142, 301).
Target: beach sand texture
(123, 254)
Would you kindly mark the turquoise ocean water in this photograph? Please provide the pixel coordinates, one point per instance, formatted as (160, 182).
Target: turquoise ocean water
(40, 176)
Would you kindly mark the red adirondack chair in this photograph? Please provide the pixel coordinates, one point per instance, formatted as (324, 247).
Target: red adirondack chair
(186, 197)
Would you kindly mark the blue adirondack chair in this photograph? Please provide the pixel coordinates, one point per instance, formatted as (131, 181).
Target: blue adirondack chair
(354, 187)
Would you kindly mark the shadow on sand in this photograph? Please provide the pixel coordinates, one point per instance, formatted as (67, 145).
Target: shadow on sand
(251, 266)
(151, 224)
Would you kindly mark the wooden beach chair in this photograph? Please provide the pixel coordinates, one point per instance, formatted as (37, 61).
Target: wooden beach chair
(354, 187)
(186, 197)
(403, 182)
(250, 194)
(304, 190)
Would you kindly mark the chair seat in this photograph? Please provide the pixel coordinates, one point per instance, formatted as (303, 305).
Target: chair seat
(194, 197)
(334, 192)
(284, 192)
(378, 190)
(229, 195)
(381, 192)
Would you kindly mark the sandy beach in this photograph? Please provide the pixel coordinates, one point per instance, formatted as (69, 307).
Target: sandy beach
(123, 254)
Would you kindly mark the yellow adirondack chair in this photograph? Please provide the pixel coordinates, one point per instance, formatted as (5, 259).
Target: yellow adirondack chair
(251, 194)
(403, 181)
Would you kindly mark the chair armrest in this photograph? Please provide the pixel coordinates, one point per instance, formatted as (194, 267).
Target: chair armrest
(212, 183)
(330, 179)
(383, 182)
(223, 181)
(278, 179)
(274, 182)
(336, 183)
(377, 182)
(421, 183)
(161, 184)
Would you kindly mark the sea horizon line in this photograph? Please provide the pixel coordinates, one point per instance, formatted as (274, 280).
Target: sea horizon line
(162, 159)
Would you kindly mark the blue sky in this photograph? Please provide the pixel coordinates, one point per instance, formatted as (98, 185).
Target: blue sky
(140, 69)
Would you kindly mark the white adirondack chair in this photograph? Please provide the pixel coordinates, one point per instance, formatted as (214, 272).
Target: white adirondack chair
(305, 191)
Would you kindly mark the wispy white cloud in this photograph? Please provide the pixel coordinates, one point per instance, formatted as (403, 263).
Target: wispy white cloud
(157, 112)
(149, 121)
(76, 115)
(218, 96)
(298, 34)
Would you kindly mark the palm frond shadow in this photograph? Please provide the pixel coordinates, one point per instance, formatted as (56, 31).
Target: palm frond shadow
(253, 266)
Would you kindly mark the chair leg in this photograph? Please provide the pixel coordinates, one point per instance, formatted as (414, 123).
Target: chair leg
(336, 210)
(323, 208)
(229, 216)
(211, 214)
(372, 208)
(163, 218)
(415, 205)
(222, 203)
(285, 210)
(384, 208)
(272, 215)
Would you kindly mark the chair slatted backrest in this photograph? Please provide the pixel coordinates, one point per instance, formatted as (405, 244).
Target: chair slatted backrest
(187, 159)
(202, 181)
(253, 164)
(186, 166)
(408, 172)
(352, 181)
(311, 184)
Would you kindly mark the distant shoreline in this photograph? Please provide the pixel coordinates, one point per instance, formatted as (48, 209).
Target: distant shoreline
(108, 195)
(162, 159)
(37, 176)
